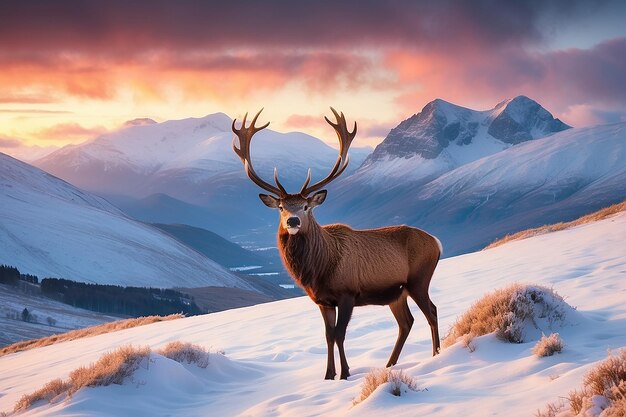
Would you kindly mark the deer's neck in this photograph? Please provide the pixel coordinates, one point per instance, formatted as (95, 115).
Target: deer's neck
(306, 255)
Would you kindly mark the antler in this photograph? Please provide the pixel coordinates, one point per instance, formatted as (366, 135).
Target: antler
(245, 137)
(345, 140)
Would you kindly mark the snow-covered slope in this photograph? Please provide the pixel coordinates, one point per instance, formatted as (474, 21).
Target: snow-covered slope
(444, 136)
(546, 180)
(52, 229)
(275, 353)
(50, 316)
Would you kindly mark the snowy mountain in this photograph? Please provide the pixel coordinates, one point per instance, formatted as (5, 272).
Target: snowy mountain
(185, 158)
(275, 353)
(52, 229)
(185, 171)
(444, 136)
(556, 178)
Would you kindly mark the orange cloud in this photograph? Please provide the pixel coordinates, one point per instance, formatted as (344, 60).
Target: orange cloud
(301, 122)
(69, 132)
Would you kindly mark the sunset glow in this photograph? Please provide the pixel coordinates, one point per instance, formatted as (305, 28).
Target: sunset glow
(72, 70)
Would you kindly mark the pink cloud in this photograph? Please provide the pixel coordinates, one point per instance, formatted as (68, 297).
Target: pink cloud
(6, 142)
(69, 131)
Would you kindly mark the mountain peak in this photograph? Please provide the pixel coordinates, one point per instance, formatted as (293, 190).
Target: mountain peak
(441, 124)
(141, 121)
(520, 119)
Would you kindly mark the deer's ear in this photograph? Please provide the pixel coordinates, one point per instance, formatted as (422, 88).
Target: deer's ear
(317, 198)
(268, 200)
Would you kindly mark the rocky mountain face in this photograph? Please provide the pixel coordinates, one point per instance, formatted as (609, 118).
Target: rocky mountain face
(441, 124)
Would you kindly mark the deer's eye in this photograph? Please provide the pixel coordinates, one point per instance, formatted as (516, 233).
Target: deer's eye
(280, 208)
(306, 208)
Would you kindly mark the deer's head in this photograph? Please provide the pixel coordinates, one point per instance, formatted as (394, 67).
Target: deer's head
(295, 209)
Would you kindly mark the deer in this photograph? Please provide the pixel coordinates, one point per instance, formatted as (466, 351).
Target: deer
(340, 268)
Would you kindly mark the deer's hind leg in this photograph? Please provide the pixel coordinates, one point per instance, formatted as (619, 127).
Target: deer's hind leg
(430, 312)
(401, 312)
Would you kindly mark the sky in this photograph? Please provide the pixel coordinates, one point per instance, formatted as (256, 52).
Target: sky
(71, 70)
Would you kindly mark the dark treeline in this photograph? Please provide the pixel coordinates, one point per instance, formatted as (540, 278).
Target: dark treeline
(113, 299)
(107, 299)
(10, 275)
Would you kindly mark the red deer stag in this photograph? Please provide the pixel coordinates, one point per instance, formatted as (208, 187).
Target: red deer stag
(340, 268)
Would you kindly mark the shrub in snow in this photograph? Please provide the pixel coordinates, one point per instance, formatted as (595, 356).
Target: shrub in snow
(548, 345)
(603, 392)
(186, 353)
(113, 368)
(510, 312)
(398, 382)
(48, 392)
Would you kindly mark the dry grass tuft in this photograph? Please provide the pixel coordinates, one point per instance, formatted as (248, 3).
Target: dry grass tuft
(48, 392)
(186, 353)
(86, 332)
(113, 368)
(593, 217)
(396, 378)
(549, 345)
(603, 391)
(506, 312)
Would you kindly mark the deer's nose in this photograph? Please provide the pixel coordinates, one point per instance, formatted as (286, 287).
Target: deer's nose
(293, 222)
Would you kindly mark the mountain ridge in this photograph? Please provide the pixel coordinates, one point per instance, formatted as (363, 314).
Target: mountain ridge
(556, 178)
(442, 124)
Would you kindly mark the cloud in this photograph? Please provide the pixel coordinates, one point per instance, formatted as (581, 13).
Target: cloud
(21, 98)
(144, 25)
(35, 111)
(69, 132)
(6, 142)
(377, 130)
(300, 122)
(224, 53)
(587, 115)
(556, 79)
(369, 132)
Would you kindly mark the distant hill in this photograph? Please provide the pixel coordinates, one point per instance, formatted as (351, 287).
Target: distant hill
(212, 245)
(50, 228)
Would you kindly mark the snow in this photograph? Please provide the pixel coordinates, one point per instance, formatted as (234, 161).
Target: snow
(64, 317)
(555, 160)
(201, 148)
(275, 353)
(456, 153)
(49, 228)
(452, 156)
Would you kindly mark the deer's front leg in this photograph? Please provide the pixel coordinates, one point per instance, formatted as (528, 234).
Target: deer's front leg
(346, 305)
(330, 316)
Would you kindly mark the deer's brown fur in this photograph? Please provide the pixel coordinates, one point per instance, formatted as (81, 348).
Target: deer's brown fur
(372, 265)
